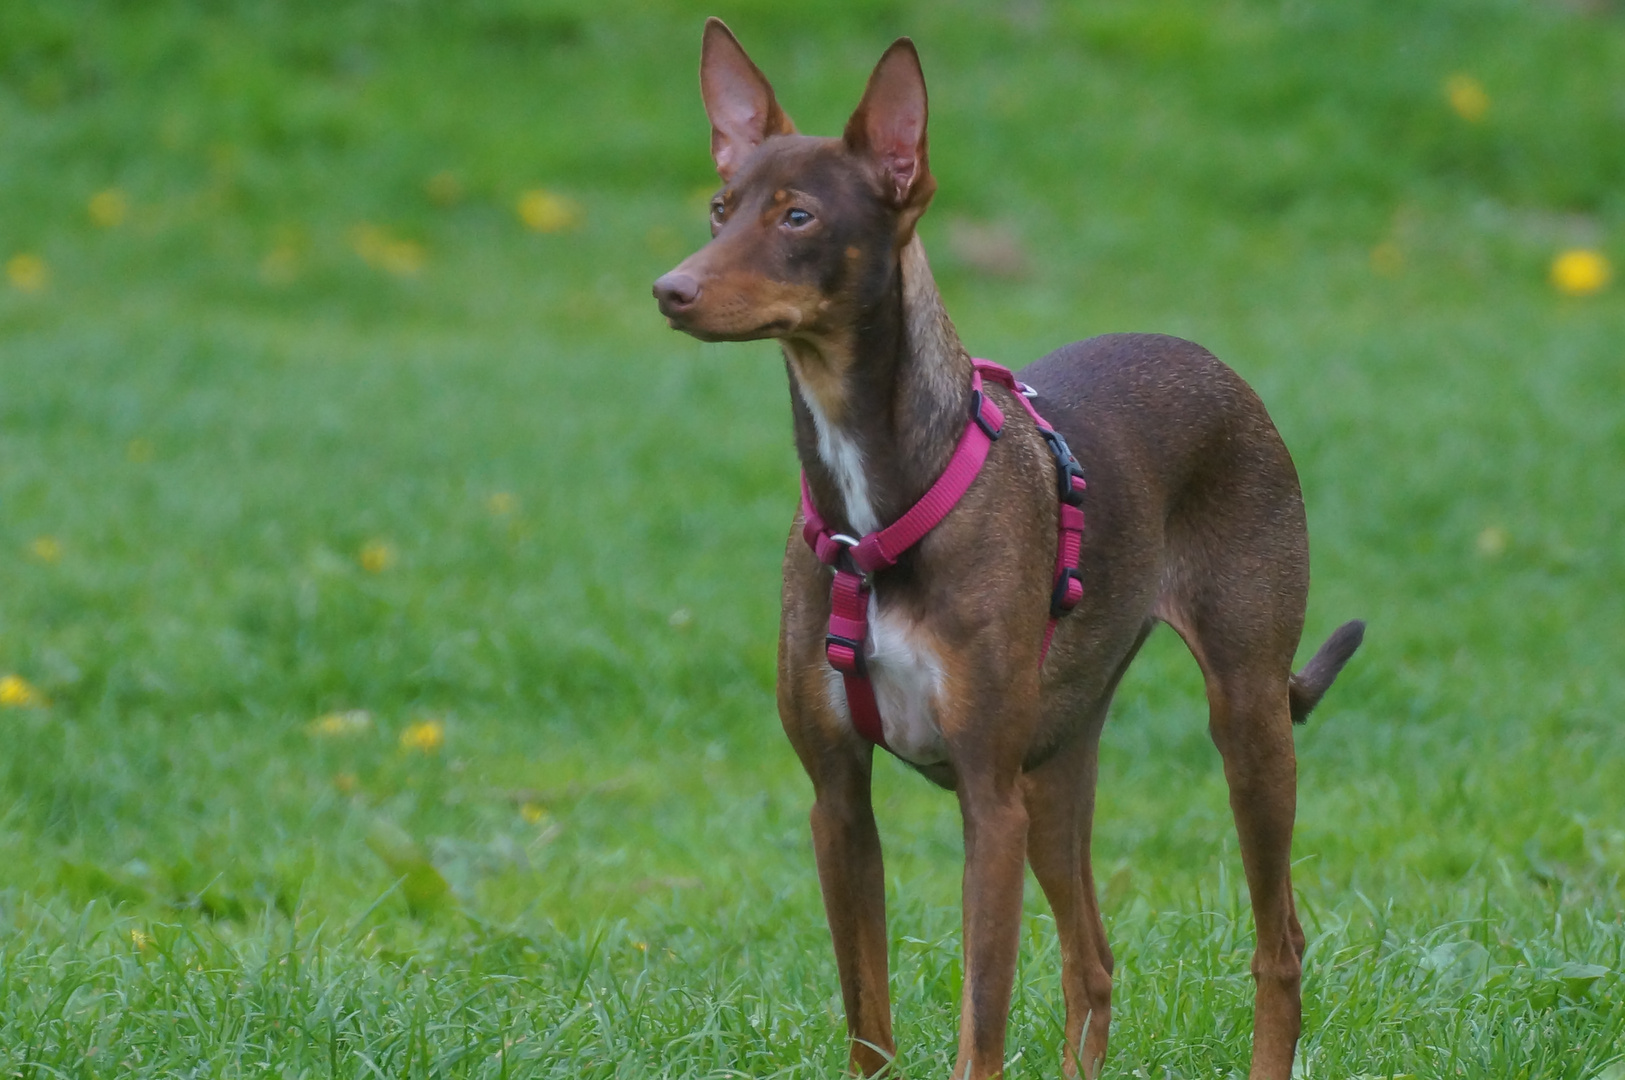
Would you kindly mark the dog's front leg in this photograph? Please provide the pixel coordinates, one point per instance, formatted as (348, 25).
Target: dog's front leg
(995, 823)
(853, 881)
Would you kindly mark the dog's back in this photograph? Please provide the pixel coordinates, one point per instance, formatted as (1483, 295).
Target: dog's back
(1195, 513)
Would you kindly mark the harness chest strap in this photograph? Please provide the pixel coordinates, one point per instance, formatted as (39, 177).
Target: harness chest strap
(855, 559)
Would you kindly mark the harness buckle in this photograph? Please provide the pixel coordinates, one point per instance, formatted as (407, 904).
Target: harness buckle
(839, 661)
(1066, 468)
(988, 429)
(1060, 598)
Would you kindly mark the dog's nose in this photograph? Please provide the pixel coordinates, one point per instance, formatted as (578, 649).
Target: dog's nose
(676, 292)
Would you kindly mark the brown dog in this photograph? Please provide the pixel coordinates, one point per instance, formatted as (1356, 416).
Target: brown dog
(1194, 519)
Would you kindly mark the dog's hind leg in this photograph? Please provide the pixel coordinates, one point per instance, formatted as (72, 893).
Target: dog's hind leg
(1251, 723)
(1242, 630)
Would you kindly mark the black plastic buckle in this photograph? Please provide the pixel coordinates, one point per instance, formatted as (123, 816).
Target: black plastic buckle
(1066, 468)
(988, 429)
(859, 667)
(1057, 597)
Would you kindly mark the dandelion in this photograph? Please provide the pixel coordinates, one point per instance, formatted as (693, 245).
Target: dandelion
(1387, 259)
(140, 939)
(1492, 542)
(501, 503)
(1467, 97)
(546, 212)
(108, 208)
(28, 273)
(403, 258)
(376, 556)
(1580, 272)
(341, 724)
(366, 239)
(444, 188)
(425, 736)
(47, 549)
(17, 692)
(346, 783)
(280, 266)
(380, 249)
(533, 813)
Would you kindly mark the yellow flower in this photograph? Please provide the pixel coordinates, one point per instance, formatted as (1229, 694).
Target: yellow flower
(378, 248)
(1492, 542)
(1387, 259)
(47, 549)
(108, 208)
(140, 939)
(533, 813)
(346, 782)
(17, 692)
(403, 258)
(280, 266)
(1467, 97)
(28, 273)
(425, 736)
(444, 188)
(1580, 272)
(333, 724)
(376, 556)
(501, 503)
(546, 212)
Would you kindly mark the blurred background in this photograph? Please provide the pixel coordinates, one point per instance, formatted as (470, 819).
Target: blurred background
(379, 575)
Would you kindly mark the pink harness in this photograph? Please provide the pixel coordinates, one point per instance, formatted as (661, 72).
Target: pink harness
(855, 560)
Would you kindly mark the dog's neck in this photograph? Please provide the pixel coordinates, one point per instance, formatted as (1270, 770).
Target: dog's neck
(878, 413)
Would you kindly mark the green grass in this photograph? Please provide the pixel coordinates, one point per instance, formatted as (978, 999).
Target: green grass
(213, 407)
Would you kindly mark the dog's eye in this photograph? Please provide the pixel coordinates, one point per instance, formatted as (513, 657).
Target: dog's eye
(716, 212)
(797, 217)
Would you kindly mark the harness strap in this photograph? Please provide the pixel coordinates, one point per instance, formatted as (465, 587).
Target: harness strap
(855, 560)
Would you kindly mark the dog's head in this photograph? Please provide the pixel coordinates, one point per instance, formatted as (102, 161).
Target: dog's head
(803, 227)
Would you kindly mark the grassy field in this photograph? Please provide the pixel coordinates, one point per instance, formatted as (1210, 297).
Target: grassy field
(387, 597)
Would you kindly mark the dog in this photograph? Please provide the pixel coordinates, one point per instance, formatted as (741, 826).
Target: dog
(971, 601)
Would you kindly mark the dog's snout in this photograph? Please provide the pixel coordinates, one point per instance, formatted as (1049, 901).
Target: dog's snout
(676, 292)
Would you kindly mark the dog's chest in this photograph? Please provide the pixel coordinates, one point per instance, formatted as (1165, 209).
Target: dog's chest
(907, 674)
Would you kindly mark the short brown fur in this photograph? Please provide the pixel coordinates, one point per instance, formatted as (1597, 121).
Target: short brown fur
(1194, 519)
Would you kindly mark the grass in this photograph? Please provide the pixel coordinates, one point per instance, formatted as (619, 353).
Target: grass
(319, 339)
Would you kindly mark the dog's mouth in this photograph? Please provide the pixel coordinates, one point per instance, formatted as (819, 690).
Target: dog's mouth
(710, 325)
(775, 329)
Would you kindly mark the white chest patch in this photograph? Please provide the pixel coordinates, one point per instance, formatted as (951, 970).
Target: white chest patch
(844, 460)
(907, 676)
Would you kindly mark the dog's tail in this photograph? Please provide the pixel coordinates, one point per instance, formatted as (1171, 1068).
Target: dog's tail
(1304, 689)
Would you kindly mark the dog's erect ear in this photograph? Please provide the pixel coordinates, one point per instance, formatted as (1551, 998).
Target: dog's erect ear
(738, 100)
(889, 125)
